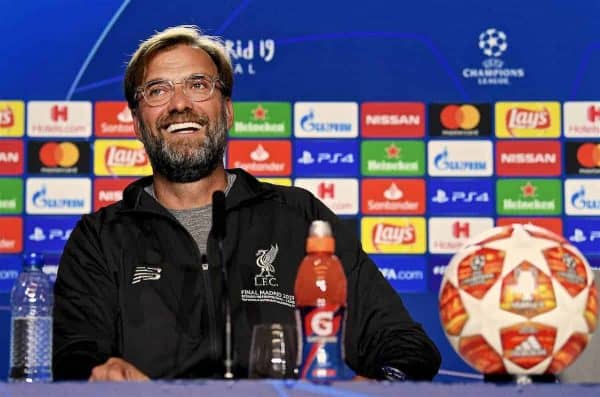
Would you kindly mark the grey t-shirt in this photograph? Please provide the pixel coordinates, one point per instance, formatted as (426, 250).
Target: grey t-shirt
(197, 221)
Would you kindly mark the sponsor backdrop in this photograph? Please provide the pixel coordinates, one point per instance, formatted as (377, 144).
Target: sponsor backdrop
(420, 123)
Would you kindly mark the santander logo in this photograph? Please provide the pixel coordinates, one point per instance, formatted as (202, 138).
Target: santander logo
(121, 156)
(520, 118)
(385, 234)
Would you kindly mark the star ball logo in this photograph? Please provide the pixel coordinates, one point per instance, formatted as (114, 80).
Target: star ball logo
(493, 43)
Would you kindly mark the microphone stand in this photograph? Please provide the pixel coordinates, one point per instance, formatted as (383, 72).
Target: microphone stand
(218, 199)
(228, 339)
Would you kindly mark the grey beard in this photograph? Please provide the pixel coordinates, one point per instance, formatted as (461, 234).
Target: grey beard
(191, 163)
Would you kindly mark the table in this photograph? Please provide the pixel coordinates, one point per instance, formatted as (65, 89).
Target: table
(275, 388)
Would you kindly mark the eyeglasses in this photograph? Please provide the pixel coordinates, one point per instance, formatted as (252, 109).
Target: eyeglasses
(197, 87)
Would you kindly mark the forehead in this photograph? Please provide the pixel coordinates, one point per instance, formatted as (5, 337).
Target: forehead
(179, 61)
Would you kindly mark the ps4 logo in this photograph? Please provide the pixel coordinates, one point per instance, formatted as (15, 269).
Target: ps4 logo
(326, 158)
(579, 236)
(442, 197)
(53, 234)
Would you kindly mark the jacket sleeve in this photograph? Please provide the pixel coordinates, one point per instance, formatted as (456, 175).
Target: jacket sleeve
(381, 337)
(85, 302)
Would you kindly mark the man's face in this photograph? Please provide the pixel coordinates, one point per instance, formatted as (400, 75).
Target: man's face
(185, 140)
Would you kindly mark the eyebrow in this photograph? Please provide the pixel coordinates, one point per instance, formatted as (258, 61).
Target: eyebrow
(160, 80)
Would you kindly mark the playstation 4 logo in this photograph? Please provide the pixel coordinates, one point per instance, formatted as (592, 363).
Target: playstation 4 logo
(326, 158)
(460, 196)
(48, 233)
(59, 234)
(579, 236)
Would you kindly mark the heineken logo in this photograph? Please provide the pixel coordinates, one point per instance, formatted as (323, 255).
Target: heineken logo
(261, 119)
(392, 158)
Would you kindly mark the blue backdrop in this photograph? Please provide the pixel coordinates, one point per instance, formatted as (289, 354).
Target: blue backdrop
(342, 51)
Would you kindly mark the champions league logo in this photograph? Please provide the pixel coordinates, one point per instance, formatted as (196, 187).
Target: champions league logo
(493, 43)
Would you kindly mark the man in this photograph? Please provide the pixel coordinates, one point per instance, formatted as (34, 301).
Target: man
(138, 289)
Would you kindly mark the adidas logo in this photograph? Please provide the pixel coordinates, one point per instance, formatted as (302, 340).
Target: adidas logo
(145, 273)
(529, 347)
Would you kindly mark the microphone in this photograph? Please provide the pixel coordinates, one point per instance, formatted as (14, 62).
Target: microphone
(219, 231)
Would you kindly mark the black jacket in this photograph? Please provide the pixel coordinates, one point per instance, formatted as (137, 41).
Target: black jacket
(132, 284)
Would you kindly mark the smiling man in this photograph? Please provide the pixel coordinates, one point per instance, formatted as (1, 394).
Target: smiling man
(138, 291)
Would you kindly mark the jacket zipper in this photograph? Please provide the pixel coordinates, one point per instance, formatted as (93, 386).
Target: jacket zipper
(212, 329)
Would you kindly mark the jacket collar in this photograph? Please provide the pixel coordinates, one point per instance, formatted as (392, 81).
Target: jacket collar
(245, 188)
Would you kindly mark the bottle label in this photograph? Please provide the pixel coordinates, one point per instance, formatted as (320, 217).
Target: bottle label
(322, 343)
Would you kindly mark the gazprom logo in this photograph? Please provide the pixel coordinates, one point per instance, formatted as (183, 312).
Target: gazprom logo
(583, 197)
(326, 119)
(58, 196)
(309, 124)
(473, 158)
(41, 200)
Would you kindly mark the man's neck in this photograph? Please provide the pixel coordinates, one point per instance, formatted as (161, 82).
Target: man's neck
(180, 196)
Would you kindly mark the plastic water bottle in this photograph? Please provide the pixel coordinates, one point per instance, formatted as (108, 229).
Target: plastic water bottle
(31, 302)
(320, 293)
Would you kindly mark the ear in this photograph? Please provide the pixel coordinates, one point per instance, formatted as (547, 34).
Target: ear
(229, 112)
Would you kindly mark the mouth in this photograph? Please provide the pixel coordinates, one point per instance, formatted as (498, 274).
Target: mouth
(183, 128)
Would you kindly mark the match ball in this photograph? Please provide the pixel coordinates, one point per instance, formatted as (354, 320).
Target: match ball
(518, 300)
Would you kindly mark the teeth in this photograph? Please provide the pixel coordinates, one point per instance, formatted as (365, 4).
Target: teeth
(183, 126)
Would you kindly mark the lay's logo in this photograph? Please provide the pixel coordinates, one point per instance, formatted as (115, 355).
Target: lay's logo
(527, 119)
(121, 157)
(393, 235)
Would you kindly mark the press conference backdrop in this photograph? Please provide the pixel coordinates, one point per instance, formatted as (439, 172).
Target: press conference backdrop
(422, 123)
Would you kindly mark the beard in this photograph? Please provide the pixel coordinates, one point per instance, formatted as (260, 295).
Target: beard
(180, 160)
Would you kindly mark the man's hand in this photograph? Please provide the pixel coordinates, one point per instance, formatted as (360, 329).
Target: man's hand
(116, 369)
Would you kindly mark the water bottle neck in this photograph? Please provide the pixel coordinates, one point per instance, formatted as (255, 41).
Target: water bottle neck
(31, 268)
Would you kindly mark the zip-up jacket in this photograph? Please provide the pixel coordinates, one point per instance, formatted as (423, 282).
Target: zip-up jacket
(132, 283)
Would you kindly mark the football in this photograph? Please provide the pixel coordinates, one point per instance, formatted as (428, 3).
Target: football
(518, 300)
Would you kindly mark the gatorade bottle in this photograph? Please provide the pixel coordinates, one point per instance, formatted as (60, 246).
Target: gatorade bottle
(320, 293)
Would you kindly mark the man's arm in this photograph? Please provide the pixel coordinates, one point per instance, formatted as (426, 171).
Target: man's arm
(85, 306)
(381, 333)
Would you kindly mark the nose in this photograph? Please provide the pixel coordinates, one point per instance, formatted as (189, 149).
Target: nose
(179, 101)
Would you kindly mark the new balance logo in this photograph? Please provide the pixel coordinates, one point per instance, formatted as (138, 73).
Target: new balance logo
(145, 273)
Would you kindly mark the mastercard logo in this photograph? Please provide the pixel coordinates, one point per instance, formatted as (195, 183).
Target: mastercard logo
(63, 154)
(588, 155)
(465, 117)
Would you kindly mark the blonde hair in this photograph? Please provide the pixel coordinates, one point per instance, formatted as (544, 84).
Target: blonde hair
(187, 35)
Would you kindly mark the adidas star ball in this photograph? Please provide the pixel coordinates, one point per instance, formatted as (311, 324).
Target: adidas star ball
(518, 299)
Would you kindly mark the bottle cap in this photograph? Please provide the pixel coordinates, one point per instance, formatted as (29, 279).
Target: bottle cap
(320, 237)
(319, 229)
(33, 259)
